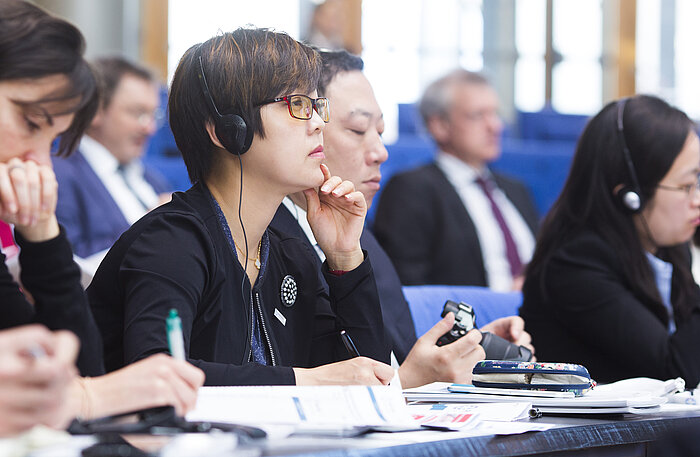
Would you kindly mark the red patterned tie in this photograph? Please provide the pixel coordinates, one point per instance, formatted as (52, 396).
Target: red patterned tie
(511, 248)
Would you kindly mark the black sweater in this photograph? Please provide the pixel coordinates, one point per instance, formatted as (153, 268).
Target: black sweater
(589, 315)
(178, 256)
(398, 322)
(53, 280)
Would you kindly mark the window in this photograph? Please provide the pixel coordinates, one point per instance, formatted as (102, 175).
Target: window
(421, 41)
(577, 42)
(191, 22)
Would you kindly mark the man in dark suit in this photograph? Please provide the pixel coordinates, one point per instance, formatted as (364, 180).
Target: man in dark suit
(104, 187)
(454, 221)
(354, 151)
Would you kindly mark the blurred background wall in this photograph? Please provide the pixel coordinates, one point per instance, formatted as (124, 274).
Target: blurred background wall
(553, 62)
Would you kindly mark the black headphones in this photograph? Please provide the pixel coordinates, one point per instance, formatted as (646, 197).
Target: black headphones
(630, 196)
(231, 129)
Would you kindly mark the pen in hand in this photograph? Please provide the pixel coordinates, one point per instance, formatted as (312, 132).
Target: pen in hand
(176, 343)
(349, 345)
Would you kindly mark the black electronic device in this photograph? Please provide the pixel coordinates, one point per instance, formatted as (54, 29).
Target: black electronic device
(161, 420)
(495, 347)
(231, 129)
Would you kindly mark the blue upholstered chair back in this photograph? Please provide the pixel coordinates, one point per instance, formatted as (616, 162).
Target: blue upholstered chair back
(426, 303)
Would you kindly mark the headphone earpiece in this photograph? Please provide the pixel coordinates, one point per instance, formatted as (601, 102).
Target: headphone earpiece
(231, 129)
(630, 200)
(630, 196)
(233, 133)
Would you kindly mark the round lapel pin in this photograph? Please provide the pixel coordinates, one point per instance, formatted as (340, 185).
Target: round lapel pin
(288, 291)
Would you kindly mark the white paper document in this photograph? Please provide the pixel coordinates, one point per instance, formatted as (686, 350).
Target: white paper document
(294, 405)
(462, 416)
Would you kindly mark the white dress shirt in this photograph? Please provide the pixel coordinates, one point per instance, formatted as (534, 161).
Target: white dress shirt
(493, 249)
(106, 166)
(300, 215)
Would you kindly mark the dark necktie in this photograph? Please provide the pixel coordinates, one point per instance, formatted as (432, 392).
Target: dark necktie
(121, 169)
(511, 248)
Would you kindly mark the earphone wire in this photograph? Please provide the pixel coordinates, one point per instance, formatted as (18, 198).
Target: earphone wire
(205, 89)
(245, 237)
(623, 143)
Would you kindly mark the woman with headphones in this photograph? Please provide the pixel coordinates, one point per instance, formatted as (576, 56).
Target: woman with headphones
(247, 120)
(609, 285)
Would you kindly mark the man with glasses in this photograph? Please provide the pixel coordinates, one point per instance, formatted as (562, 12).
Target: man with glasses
(104, 187)
(354, 150)
(454, 221)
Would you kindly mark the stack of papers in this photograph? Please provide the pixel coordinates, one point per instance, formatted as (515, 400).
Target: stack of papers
(599, 400)
(352, 410)
(327, 406)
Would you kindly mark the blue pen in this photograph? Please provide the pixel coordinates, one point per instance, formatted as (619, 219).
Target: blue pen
(176, 342)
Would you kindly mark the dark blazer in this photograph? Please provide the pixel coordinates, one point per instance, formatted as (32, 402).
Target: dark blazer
(427, 232)
(398, 322)
(586, 313)
(91, 217)
(179, 256)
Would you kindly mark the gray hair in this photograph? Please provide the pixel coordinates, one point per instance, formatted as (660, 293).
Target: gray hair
(437, 97)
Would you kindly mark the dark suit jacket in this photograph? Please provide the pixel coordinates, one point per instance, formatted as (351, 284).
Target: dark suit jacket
(586, 313)
(398, 322)
(91, 217)
(427, 232)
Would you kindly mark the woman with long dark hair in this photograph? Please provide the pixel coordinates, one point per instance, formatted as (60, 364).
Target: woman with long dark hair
(609, 285)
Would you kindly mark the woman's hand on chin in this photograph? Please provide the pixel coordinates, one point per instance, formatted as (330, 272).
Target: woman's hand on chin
(28, 195)
(336, 214)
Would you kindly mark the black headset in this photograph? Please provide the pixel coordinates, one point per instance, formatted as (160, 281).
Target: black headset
(630, 196)
(231, 129)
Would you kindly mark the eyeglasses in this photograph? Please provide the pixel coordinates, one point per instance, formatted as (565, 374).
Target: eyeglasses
(144, 117)
(689, 189)
(300, 106)
(482, 115)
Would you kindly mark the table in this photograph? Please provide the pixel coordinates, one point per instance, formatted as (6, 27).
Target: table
(573, 436)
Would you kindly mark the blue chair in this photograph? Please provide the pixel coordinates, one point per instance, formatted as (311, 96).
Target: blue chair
(551, 125)
(163, 155)
(426, 302)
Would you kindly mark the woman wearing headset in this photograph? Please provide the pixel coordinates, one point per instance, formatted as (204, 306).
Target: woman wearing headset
(245, 116)
(609, 285)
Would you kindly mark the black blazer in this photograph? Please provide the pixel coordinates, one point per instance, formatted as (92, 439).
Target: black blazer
(427, 232)
(586, 313)
(398, 322)
(178, 256)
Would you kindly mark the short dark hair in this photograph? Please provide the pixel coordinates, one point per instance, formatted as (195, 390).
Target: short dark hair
(243, 68)
(655, 133)
(111, 70)
(33, 45)
(334, 62)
